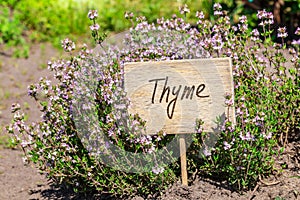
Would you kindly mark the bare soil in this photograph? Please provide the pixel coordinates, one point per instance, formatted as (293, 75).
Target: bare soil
(18, 182)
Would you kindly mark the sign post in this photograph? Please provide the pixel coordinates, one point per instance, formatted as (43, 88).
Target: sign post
(182, 146)
(172, 95)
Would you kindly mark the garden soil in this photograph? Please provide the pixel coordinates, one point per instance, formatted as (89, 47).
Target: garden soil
(24, 182)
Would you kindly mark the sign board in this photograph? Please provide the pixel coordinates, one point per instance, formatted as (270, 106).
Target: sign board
(171, 95)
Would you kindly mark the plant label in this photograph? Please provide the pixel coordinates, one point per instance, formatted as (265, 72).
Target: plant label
(171, 95)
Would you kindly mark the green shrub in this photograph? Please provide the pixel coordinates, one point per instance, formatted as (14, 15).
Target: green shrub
(11, 30)
(87, 139)
(266, 103)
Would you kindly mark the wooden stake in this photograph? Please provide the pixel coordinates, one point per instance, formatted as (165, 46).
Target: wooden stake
(182, 147)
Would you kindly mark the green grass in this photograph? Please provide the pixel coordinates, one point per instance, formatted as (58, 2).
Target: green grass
(7, 94)
(43, 66)
(4, 139)
(4, 94)
(26, 105)
(7, 142)
(279, 198)
(53, 20)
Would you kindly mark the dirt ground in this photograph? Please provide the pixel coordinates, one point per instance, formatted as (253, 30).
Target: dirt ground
(18, 182)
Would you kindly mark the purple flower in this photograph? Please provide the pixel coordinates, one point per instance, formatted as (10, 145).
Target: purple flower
(231, 129)
(68, 45)
(32, 90)
(157, 170)
(234, 28)
(243, 19)
(229, 102)
(218, 12)
(297, 32)
(226, 145)
(243, 27)
(270, 18)
(258, 121)
(296, 42)
(217, 6)
(239, 111)
(269, 136)
(247, 137)
(217, 42)
(199, 130)
(95, 27)
(200, 15)
(107, 144)
(207, 152)
(266, 17)
(151, 149)
(184, 9)
(282, 32)
(15, 107)
(93, 14)
(262, 23)
(261, 14)
(128, 15)
(255, 35)
(239, 168)
(110, 133)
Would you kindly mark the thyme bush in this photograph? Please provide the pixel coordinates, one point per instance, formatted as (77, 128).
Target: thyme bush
(72, 143)
(266, 101)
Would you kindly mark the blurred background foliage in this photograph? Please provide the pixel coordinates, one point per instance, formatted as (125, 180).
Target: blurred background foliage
(23, 22)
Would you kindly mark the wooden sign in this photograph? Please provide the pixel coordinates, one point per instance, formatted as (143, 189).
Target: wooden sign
(171, 95)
